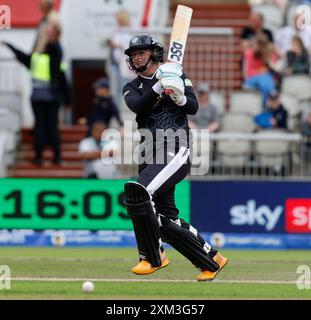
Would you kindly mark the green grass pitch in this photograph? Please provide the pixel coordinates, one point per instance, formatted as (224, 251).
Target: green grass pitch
(58, 273)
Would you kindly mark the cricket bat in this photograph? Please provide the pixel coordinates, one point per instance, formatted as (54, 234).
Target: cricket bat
(179, 35)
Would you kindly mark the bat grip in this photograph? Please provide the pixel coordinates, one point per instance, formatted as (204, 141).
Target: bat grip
(168, 91)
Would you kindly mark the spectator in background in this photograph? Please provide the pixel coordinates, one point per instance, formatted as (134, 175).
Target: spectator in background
(306, 127)
(306, 133)
(207, 116)
(297, 58)
(50, 16)
(93, 149)
(255, 29)
(120, 73)
(256, 61)
(283, 39)
(103, 108)
(282, 4)
(49, 90)
(275, 115)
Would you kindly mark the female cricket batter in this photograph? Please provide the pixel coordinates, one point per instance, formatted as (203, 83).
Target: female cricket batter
(165, 153)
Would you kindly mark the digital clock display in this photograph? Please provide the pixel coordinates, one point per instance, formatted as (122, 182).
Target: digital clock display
(71, 204)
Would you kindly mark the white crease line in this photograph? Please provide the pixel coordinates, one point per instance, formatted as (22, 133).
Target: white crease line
(149, 280)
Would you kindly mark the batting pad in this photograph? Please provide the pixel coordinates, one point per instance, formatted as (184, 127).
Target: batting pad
(187, 243)
(145, 222)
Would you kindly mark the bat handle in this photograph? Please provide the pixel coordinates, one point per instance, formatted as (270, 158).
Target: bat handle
(168, 91)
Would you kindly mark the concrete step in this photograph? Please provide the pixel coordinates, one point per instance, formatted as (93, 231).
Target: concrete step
(48, 155)
(26, 165)
(29, 146)
(45, 173)
(69, 134)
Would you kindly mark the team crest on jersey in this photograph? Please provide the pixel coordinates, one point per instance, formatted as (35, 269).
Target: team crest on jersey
(188, 83)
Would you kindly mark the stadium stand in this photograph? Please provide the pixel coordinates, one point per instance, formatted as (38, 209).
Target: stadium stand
(215, 59)
(217, 63)
(273, 154)
(217, 99)
(237, 122)
(273, 16)
(233, 153)
(248, 102)
(294, 110)
(70, 167)
(298, 85)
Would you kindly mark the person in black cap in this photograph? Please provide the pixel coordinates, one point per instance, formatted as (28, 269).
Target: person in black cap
(279, 113)
(103, 108)
(275, 115)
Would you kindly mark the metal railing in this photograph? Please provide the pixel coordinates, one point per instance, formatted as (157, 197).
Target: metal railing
(224, 155)
(273, 155)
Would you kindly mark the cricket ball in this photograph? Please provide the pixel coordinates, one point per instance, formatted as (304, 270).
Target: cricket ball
(88, 286)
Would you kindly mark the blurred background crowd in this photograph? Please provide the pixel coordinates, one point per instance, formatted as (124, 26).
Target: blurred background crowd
(251, 69)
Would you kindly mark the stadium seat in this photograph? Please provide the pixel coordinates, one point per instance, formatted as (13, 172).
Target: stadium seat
(202, 155)
(245, 101)
(297, 85)
(293, 108)
(237, 122)
(291, 104)
(233, 153)
(217, 98)
(270, 152)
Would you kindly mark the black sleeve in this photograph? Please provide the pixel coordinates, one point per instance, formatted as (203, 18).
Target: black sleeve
(64, 88)
(137, 102)
(191, 107)
(22, 57)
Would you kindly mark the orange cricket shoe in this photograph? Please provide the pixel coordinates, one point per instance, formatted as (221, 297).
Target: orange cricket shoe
(209, 275)
(144, 267)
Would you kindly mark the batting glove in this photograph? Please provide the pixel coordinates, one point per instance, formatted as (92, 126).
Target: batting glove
(169, 69)
(178, 99)
(174, 84)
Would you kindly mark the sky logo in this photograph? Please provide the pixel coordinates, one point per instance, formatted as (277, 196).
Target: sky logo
(250, 215)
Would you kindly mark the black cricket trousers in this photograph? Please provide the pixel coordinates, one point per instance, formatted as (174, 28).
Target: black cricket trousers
(160, 180)
(46, 127)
